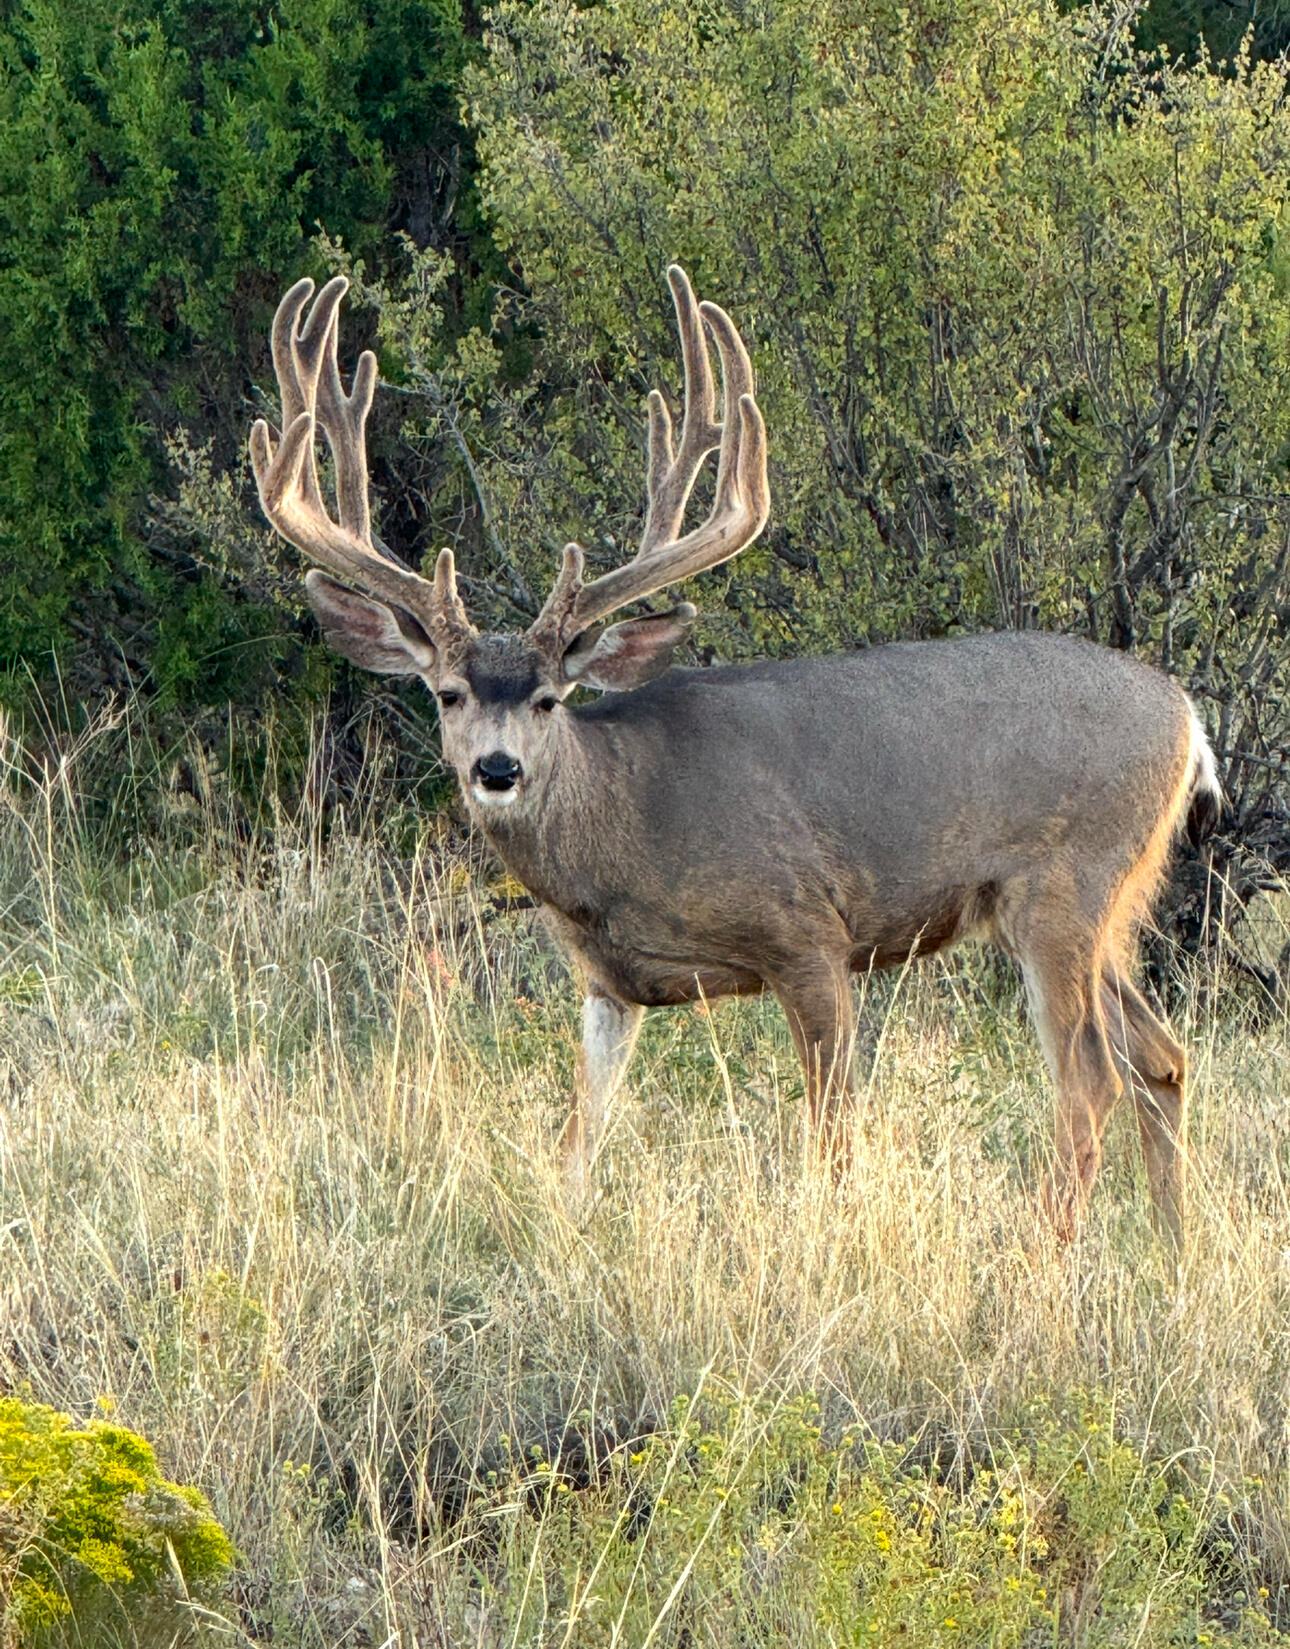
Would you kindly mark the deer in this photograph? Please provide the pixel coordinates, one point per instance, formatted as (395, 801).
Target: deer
(781, 825)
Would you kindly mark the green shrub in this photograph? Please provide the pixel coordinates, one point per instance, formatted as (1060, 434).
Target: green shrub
(164, 165)
(739, 1522)
(92, 1536)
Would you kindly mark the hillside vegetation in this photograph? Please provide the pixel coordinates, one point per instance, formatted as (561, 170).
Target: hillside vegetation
(277, 1180)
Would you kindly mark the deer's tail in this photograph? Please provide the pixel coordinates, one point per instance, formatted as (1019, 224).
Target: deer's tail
(1204, 792)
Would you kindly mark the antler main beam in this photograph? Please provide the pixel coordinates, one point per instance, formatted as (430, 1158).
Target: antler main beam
(741, 504)
(313, 397)
(286, 473)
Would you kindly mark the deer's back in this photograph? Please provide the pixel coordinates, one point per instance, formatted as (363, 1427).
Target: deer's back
(1001, 731)
(892, 790)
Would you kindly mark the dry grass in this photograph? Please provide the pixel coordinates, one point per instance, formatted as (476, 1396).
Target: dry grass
(277, 1176)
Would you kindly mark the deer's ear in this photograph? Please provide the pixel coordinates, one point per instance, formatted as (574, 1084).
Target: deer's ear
(367, 632)
(628, 654)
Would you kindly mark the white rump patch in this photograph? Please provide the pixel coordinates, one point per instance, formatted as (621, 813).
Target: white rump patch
(1202, 770)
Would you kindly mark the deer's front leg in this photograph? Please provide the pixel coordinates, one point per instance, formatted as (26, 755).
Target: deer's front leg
(609, 1032)
(816, 998)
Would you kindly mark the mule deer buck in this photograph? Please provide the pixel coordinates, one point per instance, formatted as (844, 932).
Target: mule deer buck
(779, 825)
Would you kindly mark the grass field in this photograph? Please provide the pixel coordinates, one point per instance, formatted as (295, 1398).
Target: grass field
(278, 1188)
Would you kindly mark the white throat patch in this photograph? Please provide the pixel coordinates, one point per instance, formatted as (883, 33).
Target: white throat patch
(494, 798)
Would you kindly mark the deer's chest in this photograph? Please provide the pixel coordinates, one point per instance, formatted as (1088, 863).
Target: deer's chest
(655, 964)
(651, 927)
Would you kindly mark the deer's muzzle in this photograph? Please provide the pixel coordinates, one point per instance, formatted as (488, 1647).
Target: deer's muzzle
(497, 771)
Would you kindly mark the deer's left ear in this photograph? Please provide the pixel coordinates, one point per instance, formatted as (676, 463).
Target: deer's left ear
(629, 654)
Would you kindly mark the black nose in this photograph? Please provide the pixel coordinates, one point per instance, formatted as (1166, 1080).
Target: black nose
(497, 771)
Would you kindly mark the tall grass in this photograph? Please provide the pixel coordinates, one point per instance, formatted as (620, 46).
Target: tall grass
(278, 1180)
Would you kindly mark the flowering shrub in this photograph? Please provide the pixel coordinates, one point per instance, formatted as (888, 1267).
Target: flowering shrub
(740, 1522)
(90, 1529)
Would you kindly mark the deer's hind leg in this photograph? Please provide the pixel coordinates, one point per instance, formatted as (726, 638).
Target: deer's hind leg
(1068, 1011)
(1061, 954)
(1154, 1067)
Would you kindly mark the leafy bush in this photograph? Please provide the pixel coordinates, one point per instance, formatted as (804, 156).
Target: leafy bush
(163, 167)
(91, 1534)
(739, 1522)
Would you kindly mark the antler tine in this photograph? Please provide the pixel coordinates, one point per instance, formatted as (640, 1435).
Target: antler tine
(737, 381)
(554, 628)
(344, 421)
(304, 357)
(672, 474)
(308, 345)
(284, 361)
(450, 614)
(740, 506)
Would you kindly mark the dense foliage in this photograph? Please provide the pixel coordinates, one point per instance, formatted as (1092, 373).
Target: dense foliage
(91, 1535)
(164, 166)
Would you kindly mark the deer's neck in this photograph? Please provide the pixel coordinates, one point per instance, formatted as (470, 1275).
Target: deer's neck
(569, 841)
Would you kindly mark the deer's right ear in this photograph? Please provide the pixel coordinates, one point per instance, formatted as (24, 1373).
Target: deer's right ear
(368, 633)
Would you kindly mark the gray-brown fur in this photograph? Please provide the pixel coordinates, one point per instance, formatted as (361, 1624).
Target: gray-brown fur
(779, 826)
(697, 823)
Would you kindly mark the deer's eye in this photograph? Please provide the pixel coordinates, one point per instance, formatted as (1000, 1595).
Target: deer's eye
(546, 703)
(449, 697)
